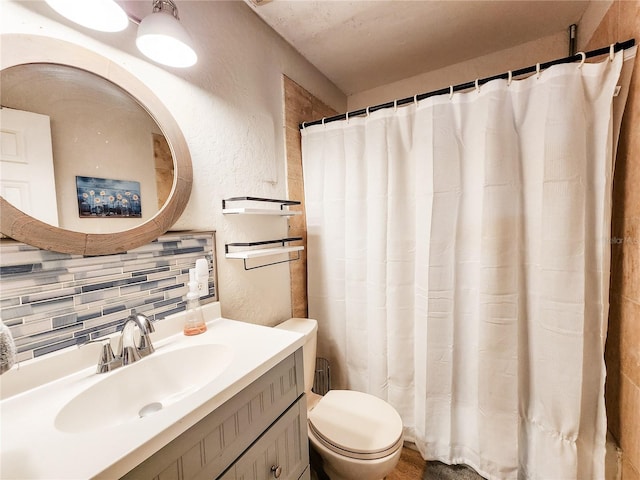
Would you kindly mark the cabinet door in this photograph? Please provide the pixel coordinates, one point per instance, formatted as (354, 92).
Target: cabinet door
(306, 475)
(280, 453)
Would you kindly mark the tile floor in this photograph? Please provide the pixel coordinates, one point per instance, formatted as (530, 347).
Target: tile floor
(413, 467)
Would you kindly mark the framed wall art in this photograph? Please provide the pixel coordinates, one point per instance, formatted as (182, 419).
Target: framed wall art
(103, 197)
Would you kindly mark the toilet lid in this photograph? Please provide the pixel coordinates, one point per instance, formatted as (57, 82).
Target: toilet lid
(357, 425)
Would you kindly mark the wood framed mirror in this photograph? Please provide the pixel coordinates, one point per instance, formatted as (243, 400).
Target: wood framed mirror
(19, 49)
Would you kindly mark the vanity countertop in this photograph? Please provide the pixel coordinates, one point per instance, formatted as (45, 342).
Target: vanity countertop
(32, 446)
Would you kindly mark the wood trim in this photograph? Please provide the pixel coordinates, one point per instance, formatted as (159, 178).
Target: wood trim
(299, 106)
(19, 49)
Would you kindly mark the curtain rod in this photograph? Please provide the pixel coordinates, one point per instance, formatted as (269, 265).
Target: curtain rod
(464, 86)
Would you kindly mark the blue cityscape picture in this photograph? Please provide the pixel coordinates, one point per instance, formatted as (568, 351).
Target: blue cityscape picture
(102, 197)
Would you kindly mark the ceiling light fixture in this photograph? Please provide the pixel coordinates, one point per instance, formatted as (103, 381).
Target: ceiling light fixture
(161, 36)
(102, 15)
(163, 39)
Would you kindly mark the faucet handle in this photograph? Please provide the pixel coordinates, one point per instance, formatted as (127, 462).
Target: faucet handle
(107, 361)
(89, 340)
(107, 358)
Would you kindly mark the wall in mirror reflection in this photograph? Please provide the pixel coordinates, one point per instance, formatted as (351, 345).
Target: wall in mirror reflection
(97, 130)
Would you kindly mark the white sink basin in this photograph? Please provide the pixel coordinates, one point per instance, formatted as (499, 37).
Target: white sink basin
(143, 388)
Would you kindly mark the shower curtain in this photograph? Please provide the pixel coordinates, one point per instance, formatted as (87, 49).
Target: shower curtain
(458, 264)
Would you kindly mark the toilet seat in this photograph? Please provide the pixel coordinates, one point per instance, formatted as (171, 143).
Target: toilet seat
(356, 425)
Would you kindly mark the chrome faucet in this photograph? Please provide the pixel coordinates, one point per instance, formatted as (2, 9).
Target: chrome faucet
(129, 350)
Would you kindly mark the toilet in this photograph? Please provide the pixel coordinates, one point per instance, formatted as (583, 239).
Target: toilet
(357, 435)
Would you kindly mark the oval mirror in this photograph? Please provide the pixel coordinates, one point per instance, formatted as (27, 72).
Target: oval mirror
(117, 172)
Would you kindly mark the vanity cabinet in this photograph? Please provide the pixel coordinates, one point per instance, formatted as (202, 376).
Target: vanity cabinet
(259, 434)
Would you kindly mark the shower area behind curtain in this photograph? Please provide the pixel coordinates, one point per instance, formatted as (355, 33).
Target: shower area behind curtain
(458, 265)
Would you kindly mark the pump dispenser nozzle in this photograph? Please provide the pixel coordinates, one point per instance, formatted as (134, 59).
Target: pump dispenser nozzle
(202, 276)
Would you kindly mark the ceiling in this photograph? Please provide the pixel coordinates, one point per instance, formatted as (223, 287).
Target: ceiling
(360, 45)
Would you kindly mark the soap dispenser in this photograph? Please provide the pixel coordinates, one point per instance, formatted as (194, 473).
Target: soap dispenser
(194, 320)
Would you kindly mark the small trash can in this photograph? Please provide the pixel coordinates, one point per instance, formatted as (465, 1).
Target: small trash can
(322, 378)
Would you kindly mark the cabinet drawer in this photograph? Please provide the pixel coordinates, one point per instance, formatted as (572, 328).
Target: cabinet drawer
(280, 453)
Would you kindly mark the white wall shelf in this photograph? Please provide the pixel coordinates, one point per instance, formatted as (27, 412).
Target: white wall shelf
(260, 211)
(253, 210)
(263, 252)
(246, 250)
(252, 253)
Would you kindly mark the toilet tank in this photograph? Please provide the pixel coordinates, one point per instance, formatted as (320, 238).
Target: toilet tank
(309, 328)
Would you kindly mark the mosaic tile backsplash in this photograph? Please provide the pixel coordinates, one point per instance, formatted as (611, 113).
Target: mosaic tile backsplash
(52, 300)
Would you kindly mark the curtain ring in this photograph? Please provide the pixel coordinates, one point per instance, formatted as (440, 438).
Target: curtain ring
(612, 52)
(477, 85)
(415, 99)
(537, 70)
(323, 121)
(450, 92)
(509, 78)
(395, 105)
(367, 111)
(346, 115)
(303, 127)
(584, 57)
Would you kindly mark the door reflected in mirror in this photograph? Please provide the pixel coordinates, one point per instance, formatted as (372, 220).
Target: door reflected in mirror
(58, 123)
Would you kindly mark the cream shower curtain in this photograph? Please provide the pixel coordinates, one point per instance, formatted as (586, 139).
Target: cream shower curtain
(458, 259)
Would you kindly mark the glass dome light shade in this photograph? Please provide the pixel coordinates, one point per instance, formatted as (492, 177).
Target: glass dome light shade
(163, 39)
(101, 15)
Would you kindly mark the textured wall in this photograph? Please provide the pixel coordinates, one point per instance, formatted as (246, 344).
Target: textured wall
(622, 22)
(511, 58)
(548, 48)
(230, 109)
